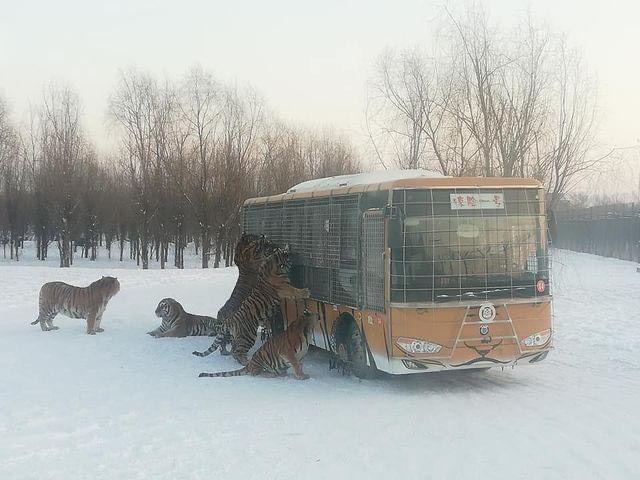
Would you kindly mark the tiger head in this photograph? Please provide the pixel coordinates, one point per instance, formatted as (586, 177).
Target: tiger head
(166, 306)
(278, 263)
(252, 250)
(109, 286)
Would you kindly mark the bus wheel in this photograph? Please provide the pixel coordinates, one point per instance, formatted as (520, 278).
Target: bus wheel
(352, 350)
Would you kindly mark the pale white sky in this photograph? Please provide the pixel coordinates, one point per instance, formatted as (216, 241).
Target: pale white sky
(310, 60)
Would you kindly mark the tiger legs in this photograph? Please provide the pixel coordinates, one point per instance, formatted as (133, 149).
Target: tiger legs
(172, 332)
(46, 321)
(98, 320)
(155, 332)
(240, 347)
(91, 323)
(226, 340)
(291, 358)
(289, 291)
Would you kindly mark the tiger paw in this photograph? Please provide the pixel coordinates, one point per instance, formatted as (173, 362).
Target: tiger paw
(91, 332)
(304, 376)
(99, 330)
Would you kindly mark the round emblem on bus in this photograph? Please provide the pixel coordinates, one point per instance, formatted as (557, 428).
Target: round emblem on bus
(484, 329)
(540, 286)
(487, 312)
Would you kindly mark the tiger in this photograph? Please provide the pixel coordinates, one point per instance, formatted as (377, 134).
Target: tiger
(279, 353)
(258, 307)
(251, 251)
(76, 302)
(178, 323)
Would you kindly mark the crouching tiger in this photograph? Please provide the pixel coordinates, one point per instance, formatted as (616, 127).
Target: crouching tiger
(76, 302)
(258, 307)
(178, 323)
(279, 353)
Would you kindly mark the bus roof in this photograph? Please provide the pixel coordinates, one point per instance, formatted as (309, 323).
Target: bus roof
(389, 180)
(340, 181)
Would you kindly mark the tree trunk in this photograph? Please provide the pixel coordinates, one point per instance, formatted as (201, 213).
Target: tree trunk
(162, 256)
(44, 245)
(216, 262)
(205, 248)
(144, 252)
(176, 250)
(64, 248)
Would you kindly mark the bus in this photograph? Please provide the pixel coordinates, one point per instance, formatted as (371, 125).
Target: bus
(411, 271)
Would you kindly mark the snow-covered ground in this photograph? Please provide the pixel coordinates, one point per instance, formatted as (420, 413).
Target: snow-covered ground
(122, 405)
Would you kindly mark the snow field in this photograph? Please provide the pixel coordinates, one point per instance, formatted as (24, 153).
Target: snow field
(124, 405)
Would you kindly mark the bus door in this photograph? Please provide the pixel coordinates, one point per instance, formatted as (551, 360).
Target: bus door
(372, 260)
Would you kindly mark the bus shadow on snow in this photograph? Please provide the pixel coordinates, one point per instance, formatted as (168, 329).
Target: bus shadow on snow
(318, 361)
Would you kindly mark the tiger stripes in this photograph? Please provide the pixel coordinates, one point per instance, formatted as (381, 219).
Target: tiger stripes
(251, 252)
(279, 353)
(176, 322)
(258, 307)
(75, 302)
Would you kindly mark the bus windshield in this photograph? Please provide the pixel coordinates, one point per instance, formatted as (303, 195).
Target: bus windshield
(466, 244)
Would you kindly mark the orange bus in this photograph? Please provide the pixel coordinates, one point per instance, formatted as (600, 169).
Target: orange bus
(415, 272)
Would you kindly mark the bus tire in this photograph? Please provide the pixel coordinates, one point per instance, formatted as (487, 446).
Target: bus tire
(352, 349)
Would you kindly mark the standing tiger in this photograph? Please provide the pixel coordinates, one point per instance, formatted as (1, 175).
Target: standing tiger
(251, 252)
(259, 306)
(279, 353)
(76, 302)
(178, 323)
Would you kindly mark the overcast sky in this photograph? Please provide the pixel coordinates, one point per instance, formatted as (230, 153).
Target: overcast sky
(310, 60)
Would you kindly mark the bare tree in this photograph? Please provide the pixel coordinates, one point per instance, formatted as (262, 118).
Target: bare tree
(565, 148)
(132, 108)
(241, 123)
(13, 184)
(488, 102)
(201, 111)
(64, 156)
(190, 155)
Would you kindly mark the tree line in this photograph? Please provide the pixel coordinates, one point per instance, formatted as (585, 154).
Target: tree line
(483, 101)
(487, 101)
(190, 152)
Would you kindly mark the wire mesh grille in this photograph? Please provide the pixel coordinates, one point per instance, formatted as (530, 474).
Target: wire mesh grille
(466, 244)
(450, 244)
(322, 234)
(373, 259)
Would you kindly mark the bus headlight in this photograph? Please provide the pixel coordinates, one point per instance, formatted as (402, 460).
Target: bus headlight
(537, 339)
(415, 345)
